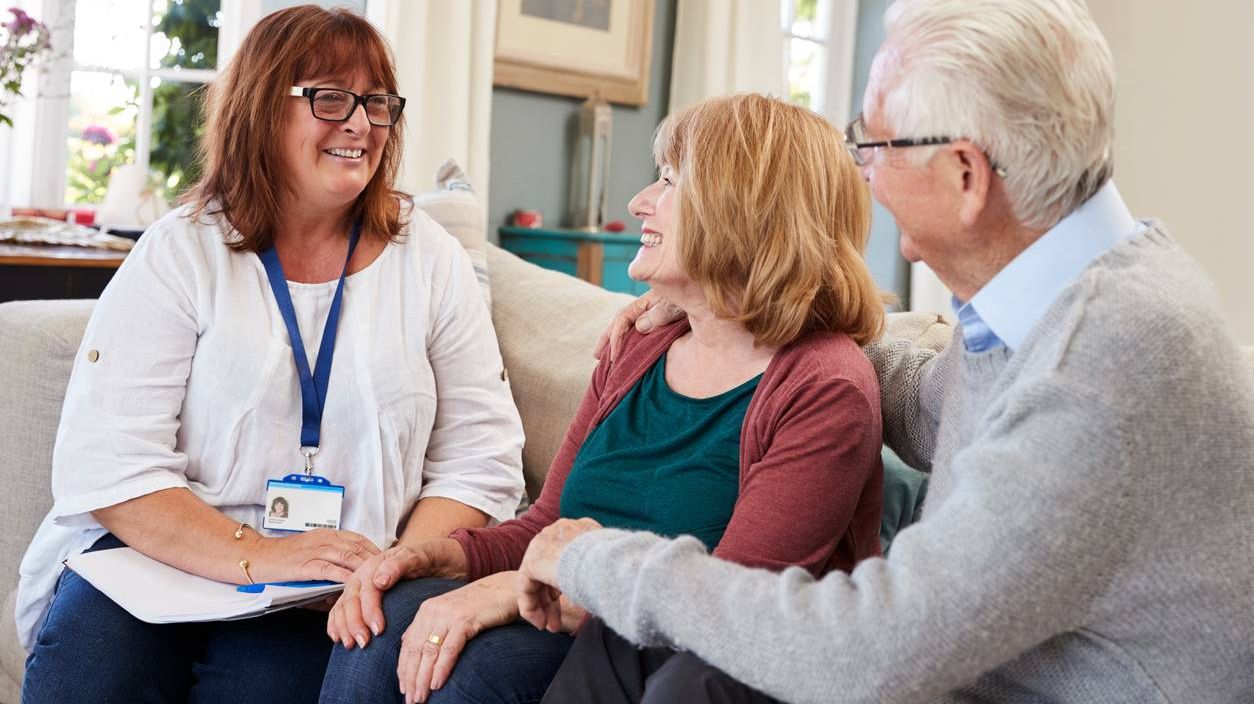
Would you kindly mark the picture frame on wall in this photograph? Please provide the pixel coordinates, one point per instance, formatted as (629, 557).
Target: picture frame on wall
(576, 47)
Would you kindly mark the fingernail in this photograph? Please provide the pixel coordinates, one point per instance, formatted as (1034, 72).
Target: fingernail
(644, 325)
(361, 640)
(376, 629)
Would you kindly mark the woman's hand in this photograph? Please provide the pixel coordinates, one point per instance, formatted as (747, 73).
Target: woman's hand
(359, 611)
(316, 554)
(452, 619)
(646, 313)
(538, 595)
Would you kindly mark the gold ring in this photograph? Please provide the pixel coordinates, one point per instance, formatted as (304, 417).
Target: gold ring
(434, 639)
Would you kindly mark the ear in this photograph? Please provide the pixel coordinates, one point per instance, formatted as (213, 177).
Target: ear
(976, 176)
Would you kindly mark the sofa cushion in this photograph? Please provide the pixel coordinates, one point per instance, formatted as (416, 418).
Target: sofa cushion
(923, 329)
(547, 324)
(455, 206)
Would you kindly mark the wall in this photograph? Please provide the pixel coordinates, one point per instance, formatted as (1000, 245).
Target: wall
(1184, 146)
(533, 141)
(891, 271)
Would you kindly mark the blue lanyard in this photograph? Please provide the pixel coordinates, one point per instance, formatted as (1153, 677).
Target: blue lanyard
(313, 387)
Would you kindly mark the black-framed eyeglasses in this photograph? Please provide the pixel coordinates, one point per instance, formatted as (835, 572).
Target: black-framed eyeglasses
(863, 149)
(337, 105)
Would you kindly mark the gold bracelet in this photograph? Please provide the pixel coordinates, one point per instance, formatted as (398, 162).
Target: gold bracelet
(243, 564)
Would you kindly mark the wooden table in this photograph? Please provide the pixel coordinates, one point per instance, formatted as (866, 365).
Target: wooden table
(29, 271)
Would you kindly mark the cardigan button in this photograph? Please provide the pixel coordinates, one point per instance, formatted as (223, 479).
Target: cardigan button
(93, 355)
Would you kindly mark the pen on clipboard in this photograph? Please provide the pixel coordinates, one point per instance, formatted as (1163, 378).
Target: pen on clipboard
(258, 588)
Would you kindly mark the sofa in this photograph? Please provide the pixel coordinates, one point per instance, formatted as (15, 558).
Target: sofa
(546, 322)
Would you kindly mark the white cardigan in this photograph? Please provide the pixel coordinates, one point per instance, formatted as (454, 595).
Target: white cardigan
(185, 378)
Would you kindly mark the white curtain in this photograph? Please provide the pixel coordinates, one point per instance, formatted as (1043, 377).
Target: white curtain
(726, 46)
(444, 54)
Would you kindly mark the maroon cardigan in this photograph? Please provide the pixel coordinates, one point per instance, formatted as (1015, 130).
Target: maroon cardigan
(811, 479)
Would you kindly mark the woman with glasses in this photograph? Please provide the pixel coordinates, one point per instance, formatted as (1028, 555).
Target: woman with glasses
(752, 425)
(295, 330)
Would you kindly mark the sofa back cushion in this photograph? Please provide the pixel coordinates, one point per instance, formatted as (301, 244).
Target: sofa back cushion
(456, 207)
(38, 341)
(547, 324)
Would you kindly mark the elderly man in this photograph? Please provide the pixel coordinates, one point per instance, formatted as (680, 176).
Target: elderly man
(1089, 430)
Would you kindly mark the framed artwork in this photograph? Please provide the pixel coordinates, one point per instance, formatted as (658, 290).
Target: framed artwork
(576, 47)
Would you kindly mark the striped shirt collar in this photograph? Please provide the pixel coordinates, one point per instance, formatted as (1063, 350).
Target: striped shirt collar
(1014, 301)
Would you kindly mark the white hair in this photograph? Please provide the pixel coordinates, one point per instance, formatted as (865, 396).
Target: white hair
(1031, 82)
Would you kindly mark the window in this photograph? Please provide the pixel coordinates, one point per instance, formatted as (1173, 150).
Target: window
(806, 45)
(137, 67)
(819, 37)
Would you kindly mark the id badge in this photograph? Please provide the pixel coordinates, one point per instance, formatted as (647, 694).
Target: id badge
(301, 502)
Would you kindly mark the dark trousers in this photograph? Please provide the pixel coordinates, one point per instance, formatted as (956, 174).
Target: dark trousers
(604, 668)
(510, 664)
(91, 650)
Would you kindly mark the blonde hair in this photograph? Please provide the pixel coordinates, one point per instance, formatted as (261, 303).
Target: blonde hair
(773, 218)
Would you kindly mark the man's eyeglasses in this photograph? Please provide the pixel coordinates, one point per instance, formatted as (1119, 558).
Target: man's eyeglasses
(863, 149)
(337, 105)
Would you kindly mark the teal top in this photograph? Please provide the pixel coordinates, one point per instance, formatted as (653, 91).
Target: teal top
(662, 462)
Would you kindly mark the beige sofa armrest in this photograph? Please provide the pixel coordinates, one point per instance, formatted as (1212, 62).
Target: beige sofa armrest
(38, 341)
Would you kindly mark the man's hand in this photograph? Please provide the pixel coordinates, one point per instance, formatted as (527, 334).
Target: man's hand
(538, 595)
(646, 313)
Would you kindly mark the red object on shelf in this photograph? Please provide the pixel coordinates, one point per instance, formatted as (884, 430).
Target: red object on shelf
(615, 226)
(84, 216)
(528, 218)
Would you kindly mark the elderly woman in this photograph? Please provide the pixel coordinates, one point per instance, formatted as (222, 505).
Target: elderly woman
(753, 424)
(205, 388)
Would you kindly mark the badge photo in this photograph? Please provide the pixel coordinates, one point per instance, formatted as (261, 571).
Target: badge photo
(301, 503)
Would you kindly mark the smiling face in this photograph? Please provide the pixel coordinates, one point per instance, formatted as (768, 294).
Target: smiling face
(330, 163)
(657, 261)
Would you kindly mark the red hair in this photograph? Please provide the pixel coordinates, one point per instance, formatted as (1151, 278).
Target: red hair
(244, 178)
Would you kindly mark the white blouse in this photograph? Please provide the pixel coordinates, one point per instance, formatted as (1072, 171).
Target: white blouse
(185, 378)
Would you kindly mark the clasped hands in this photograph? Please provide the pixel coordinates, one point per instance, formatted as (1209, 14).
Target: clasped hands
(444, 624)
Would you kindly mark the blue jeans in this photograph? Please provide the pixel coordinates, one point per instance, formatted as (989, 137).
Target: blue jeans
(92, 650)
(511, 664)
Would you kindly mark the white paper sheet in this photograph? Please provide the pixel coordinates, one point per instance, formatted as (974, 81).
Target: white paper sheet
(155, 592)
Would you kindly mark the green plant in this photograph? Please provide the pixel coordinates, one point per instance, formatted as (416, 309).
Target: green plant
(177, 116)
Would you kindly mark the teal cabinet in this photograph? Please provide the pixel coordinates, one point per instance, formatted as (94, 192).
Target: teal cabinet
(599, 258)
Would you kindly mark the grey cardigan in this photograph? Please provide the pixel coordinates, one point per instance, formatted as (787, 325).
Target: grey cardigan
(1087, 535)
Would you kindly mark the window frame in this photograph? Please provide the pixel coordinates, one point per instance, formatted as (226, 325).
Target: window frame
(36, 145)
(836, 22)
